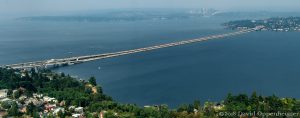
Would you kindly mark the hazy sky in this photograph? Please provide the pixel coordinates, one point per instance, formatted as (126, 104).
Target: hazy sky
(43, 6)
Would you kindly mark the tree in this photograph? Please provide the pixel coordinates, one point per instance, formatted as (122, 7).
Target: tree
(61, 114)
(274, 103)
(32, 71)
(296, 107)
(164, 111)
(50, 115)
(30, 109)
(254, 101)
(62, 75)
(36, 115)
(5, 105)
(190, 108)
(9, 92)
(149, 112)
(109, 115)
(197, 104)
(17, 94)
(95, 107)
(27, 77)
(13, 111)
(92, 81)
(99, 90)
(88, 90)
(182, 108)
(209, 109)
(228, 99)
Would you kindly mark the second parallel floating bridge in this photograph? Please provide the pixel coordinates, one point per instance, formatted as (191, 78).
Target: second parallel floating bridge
(87, 58)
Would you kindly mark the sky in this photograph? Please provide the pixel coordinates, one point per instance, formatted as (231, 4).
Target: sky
(56, 6)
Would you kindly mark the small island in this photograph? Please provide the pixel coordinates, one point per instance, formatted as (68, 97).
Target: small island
(272, 24)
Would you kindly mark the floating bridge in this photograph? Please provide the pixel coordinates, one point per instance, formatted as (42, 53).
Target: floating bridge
(81, 59)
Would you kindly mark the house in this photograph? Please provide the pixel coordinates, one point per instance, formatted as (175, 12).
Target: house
(35, 101)
(49, 99)
(22, 98)
(23, 109)
(147, 106)
(218, 106)
(196, 110)
(2, 113)
(62, 103)
(50, 107)
(72, 107)
(50, 77)
(76, 115)
(6, 100)
(38, 95)
(101, 115)
(3, 93)
(57, 110)
(79, 110)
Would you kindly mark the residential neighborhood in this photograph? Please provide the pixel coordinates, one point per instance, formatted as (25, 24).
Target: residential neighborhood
(280, 24)
(48, 104)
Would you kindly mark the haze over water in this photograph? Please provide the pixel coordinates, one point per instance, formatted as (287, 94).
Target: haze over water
(265, 62)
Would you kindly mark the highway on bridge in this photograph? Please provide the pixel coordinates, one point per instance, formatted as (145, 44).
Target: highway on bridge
(81, 59)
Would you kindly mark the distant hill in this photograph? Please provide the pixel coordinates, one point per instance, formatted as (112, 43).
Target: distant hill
(126, 15)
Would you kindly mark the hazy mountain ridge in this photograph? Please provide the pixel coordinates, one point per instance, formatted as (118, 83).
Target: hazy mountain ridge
(126, 15)
(138, 15)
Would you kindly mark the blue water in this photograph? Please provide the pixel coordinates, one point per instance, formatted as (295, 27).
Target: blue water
(265, 62)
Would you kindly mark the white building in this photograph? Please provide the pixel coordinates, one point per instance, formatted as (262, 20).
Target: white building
(35, 101)
(79, 110)
(3, 93)
(76, 115)
(49, 99)
(55, 111)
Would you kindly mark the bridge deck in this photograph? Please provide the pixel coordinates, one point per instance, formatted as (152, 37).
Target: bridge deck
(81, 59)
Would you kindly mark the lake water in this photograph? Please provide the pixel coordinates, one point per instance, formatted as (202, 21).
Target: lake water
(265, 62)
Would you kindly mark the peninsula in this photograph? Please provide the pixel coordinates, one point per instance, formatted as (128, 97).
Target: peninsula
(271, 24)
